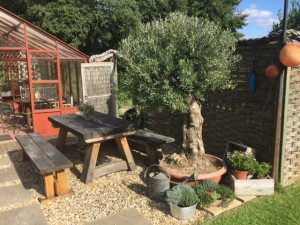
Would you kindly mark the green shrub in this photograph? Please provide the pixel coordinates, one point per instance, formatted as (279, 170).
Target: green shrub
(208, 191)
(209, 185)
(227, 195)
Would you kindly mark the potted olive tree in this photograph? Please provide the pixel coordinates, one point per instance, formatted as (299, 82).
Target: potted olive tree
(170, 65)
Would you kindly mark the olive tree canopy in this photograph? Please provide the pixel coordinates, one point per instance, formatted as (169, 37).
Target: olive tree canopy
(172, 63)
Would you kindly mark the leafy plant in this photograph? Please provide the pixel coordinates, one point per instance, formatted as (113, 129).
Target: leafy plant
(86, 109)
(204, 189)
(262, 169)
(242, 161)
(204, 197)
(209, 185)
(227, 195)
(182, 196)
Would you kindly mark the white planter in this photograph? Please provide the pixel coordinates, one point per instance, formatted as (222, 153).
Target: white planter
(183, 213)
(257, 187)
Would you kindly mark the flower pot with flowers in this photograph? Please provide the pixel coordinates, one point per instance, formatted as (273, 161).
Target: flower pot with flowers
(241, 164)
(262, 170)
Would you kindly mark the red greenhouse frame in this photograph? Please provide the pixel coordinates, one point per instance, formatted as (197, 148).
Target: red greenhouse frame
(42, 72)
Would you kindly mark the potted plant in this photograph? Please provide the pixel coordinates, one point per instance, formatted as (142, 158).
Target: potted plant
(182, 200)
(178, 65)
(87, 111)
(241, 163)
(211, 193)
(262, 170)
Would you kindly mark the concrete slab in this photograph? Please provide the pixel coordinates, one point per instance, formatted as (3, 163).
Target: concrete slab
(246, 198)
(29, 215)
(14, 194)
(127, 217)
(4, 161)
(9, 174)
(215, 210)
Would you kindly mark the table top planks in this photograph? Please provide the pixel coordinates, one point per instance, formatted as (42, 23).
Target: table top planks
(102, 125)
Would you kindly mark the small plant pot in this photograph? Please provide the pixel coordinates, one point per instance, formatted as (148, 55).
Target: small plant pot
(240, 175)
(183, 213)
(88, 117)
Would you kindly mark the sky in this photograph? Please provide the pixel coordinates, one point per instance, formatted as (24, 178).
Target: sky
(262, 15)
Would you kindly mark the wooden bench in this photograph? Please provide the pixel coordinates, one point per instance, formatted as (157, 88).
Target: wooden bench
(49, 161)
(153, 143)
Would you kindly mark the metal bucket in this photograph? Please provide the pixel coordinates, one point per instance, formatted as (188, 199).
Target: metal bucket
(157, 181)
(183, 213)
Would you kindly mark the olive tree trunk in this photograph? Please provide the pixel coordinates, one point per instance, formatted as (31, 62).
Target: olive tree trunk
(193, 147)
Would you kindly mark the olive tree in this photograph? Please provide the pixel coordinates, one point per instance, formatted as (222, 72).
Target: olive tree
(171, 63)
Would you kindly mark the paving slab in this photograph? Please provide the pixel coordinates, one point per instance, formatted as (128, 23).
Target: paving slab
(14, 194)
(4, 161)
(246, 198)
(127, 217)
(29, 215)
(215, 210)
(5, 137)
(9, 174)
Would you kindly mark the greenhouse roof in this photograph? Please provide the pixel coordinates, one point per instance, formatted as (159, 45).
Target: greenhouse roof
(17, 35)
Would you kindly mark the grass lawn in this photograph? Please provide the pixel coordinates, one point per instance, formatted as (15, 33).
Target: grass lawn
(283, 208)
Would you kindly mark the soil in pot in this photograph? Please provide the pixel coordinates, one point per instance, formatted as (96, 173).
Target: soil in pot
(211, 167)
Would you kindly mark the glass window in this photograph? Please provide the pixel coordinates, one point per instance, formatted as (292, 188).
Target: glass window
(70, 77)
(43, 66)
(45, 96)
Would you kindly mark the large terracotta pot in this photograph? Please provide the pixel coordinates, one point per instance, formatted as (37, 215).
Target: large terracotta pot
(290, 55)
(177, 177)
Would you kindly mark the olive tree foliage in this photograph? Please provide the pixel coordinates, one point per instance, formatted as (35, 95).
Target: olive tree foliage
(171, 64)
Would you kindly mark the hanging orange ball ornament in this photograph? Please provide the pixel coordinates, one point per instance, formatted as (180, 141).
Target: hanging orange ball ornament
(272, 71)
(290, 55)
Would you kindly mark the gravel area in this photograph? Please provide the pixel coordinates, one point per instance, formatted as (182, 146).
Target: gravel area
(104, 196)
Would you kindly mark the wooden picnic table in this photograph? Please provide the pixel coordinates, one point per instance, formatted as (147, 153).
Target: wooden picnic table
(103, 127)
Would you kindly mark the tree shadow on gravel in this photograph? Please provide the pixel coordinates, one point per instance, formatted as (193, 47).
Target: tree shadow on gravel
(155, 202)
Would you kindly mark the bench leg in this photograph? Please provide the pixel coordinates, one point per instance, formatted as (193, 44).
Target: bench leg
(49, 185)
(61, 186)
(125, 150)
(90, 160)
(151, 152)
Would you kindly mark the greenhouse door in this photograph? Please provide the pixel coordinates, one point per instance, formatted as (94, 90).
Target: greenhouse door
(98, 84)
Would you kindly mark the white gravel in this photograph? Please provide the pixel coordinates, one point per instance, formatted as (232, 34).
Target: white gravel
(104, 196)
